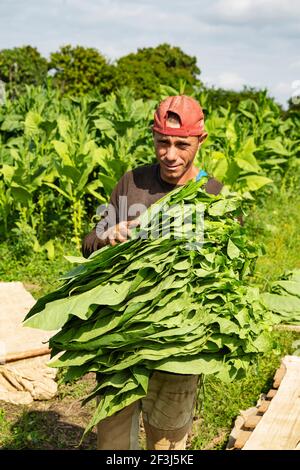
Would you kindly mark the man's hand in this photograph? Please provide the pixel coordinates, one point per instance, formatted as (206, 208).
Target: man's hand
(120, 232)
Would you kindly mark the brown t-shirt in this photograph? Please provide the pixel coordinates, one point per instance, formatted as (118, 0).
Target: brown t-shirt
(140, 188)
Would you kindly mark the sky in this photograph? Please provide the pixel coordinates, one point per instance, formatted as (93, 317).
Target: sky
(236, 42)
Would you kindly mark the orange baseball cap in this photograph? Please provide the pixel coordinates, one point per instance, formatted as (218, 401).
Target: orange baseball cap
(189, 112)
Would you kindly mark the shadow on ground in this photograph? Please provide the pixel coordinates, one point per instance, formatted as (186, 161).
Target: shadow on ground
(46, 430)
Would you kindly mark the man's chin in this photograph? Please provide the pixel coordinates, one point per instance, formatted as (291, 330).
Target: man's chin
(173, 174)
(171, 178)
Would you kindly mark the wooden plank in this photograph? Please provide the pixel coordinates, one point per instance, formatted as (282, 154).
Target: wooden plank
(264, 406)
(279, 376)
(15, 303)
(252, 422)
(279, 427)
(271, 394)
(241, 439)
(287, 328)
(17, 356)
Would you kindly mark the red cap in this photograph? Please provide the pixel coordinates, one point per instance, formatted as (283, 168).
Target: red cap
(189, 112)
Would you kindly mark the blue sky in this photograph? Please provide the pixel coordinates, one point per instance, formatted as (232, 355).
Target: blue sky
(236, 42)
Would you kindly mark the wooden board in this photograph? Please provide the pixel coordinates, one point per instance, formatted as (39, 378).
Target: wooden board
(287, 328)
(15, 303)
(279, 427)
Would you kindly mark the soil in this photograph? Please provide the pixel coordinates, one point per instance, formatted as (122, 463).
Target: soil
(53, 424)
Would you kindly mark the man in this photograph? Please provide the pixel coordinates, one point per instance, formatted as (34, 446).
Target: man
(167, 409)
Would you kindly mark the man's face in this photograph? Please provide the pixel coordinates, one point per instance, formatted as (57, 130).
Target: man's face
(175, 155)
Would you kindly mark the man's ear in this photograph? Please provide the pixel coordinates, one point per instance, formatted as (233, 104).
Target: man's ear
(202, 138)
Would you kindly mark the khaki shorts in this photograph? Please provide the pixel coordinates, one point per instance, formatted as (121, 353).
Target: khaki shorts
(167, 413)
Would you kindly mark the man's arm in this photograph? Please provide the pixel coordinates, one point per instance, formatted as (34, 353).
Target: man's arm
(97, 238)
(110, 229)
(91, 243)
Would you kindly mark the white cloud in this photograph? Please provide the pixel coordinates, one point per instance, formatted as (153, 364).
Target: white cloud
(230, 80)
(257, 10)
(285, 88)
(295, 64)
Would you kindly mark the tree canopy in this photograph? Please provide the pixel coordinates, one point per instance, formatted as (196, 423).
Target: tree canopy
(79, 70)
(217, 97)
(149, 67)
(22, 66)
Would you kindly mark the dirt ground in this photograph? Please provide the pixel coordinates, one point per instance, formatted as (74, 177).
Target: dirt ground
(53, 424)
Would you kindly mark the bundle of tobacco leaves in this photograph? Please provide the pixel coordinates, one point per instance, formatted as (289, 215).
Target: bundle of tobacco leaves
(168, 299)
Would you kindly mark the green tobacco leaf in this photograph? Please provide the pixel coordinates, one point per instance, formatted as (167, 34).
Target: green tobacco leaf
(292, 287)
(232, 250)
(63, 127)
(219, 165)
(277, 147)
(32, 123)
(49, 247)
(245, 158)
(8, 172)
(222, 207)
(255, 182)
(20, 194)
(56, 314)
(281, 303)
(63, 151)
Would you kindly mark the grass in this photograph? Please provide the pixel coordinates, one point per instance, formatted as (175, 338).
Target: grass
(35, 270)
(274, 223)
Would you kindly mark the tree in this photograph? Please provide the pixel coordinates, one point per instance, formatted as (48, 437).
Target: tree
(149, 67)
(216, 97)
(22, 66)
(79, 70)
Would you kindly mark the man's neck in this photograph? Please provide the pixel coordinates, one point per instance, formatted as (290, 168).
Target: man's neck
(190, 174)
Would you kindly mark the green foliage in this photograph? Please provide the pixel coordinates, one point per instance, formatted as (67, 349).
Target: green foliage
(249, 148)
(274, 221)
(294, 107)
(122, 125)
(34, 268)
(60, 157)
(149, 67)
(284, 299)
(22, 66)
(217, 97)
(79, 70)
(76, 150)
(25, 160)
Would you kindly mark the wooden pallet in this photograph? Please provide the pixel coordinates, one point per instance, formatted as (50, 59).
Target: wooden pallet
(277, 427)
